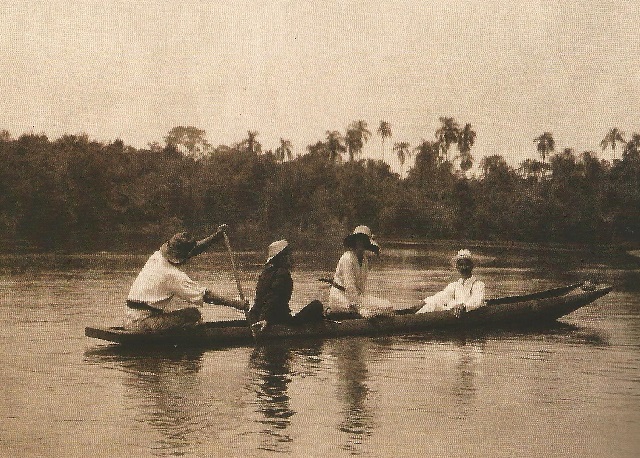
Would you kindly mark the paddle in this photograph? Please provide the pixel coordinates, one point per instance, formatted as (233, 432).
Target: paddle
(235, 271)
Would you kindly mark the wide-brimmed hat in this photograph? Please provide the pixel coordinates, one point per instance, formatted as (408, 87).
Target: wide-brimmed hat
(462, 254)
(275, 249)
(363, 233)
(176, 250)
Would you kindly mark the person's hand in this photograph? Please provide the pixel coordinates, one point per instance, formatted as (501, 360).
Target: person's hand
(239, 304)
(259, 326)
(458, 310)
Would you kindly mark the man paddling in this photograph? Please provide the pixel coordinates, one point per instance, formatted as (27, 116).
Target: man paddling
(463, 295)
(150, 303)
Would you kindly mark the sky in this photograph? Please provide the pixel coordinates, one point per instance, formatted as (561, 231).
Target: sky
(295, 69)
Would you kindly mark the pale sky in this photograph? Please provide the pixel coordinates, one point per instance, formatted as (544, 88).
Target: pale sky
(295, 69)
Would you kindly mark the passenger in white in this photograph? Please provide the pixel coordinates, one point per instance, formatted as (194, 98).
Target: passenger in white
(150, 303)
(349, 290)
(463, 295)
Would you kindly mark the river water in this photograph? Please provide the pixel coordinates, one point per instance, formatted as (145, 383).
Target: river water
(572, 389)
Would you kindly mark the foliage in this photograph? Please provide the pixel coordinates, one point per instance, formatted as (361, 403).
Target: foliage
(74, 193)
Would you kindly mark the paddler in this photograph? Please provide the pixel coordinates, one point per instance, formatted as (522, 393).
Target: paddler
(349, 290)
(150, 303)
(467, 293)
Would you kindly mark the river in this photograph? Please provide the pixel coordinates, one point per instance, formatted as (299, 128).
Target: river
(572, 389)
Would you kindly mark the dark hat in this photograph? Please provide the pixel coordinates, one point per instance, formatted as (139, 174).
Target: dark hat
(176, 250)
(363, 233)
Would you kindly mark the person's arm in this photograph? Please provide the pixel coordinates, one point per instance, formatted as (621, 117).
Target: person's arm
(187, 289)
(213, 298)
(437, 301)
(442, 297)
(476, 299)
(205, 243)
(349, 278)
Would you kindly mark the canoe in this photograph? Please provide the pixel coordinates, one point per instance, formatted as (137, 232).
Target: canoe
(530, 309)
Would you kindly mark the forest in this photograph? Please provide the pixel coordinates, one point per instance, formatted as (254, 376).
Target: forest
(76, 194)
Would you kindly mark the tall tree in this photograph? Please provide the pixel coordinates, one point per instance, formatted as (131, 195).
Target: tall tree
(545, 145)
(335, 145)
(384, 130)
(531, 168)
(189, 140)
(403, 152)
(283, 151)
(253, 145)
(611, 139)
(632, 148)
(466, 140)
(447, 135)
(357, 135)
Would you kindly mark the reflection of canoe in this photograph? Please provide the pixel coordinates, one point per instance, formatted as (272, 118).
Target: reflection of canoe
(530, 309)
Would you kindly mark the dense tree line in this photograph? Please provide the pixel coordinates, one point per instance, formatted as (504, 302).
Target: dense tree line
(75, 193)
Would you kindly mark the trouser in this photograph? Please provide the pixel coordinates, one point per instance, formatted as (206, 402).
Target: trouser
(162, 321)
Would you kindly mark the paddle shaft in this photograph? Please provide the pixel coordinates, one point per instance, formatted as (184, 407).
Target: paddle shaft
(233, 266)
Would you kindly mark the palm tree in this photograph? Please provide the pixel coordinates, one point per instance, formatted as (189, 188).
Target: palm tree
(613, 136)
(447, 135)
(283, 151)
(253, 146)
(466, 139)
(384, 130)
(632, 148)
(335, 145)
(357, 135)
(403, 152)
(545, 145)
(493, 164)
(531, 168)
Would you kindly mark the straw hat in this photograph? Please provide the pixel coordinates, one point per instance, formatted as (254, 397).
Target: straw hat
(176, 250)
(364, 233)
(275, 249)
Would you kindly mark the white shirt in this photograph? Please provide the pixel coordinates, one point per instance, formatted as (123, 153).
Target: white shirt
(468, 292)
(352, 275)
(159, 281)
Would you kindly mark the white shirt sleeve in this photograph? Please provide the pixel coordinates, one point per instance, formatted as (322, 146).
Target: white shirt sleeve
(441, 298)
(349, 279)
(188, 289)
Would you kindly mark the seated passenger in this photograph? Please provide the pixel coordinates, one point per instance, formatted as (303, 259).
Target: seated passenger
(150, 303)
(274, 289)
(348, 293)
(463, 295)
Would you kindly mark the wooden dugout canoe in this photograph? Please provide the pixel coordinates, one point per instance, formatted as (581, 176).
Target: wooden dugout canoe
(530, 309)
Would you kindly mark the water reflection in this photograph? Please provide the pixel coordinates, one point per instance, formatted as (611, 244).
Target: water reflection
(163, 386)
(273, 370)
(353, 391)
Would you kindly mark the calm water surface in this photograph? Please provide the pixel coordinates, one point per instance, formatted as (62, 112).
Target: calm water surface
(572, 389)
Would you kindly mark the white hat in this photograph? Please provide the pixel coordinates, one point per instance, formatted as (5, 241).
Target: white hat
(275, 249)
(462, 254)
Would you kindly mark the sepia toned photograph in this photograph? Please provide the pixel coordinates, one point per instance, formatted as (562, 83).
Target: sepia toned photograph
(320, 229)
